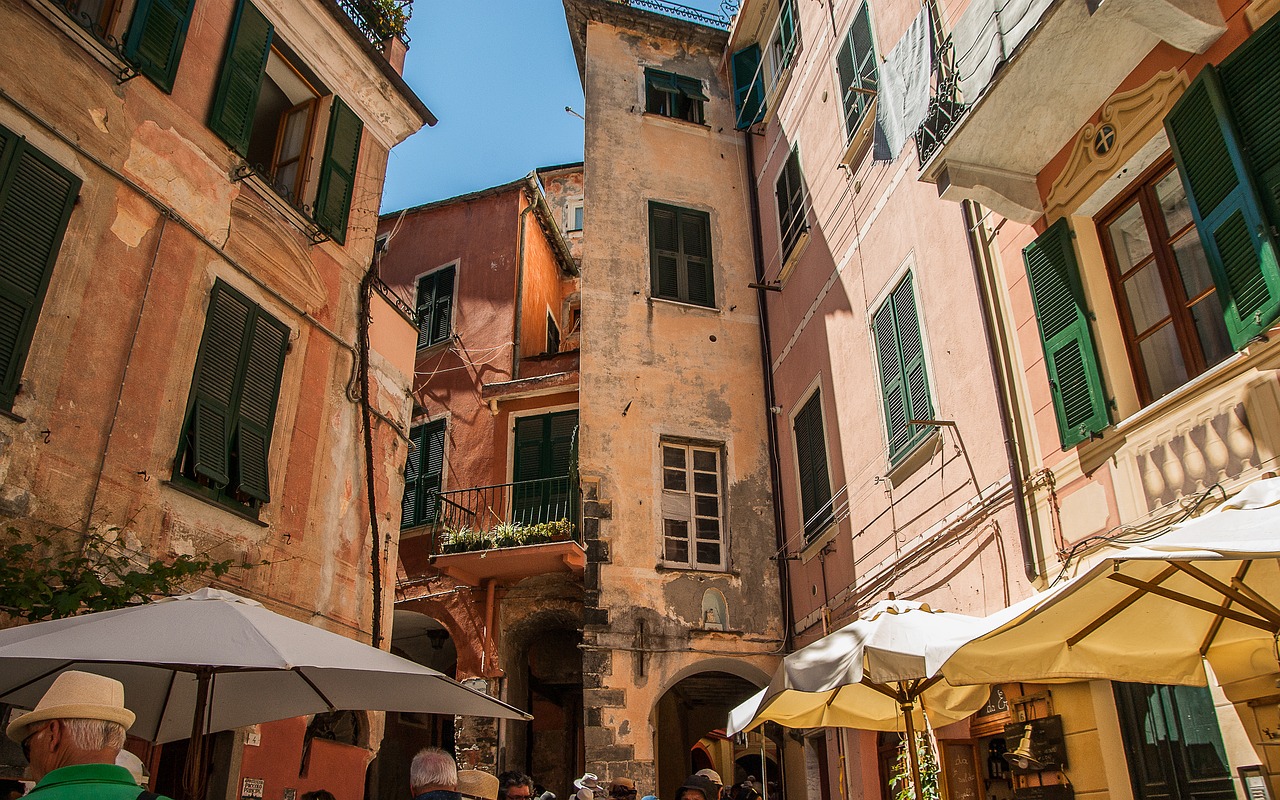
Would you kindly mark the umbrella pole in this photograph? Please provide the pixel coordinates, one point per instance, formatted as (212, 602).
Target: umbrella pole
(193, 772)
(911, 750)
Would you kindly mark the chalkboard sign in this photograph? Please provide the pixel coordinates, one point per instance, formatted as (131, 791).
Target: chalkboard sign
(960, 768)
(1048, 748)
(996, 703)
(1054, 791)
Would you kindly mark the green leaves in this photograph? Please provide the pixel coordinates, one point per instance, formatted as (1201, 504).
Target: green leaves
(49, 576)
(900, 781)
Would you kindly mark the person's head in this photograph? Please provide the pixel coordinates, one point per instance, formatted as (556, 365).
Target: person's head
(80, 720)
(711, 775)
(432, 769)
(474, 784)
(588, 781)
(622, 789)
(514, 785)
(697, 787)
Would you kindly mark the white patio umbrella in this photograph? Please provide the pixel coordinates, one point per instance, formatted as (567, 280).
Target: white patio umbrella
(212, 660)
(877, 673)
(1152, 611)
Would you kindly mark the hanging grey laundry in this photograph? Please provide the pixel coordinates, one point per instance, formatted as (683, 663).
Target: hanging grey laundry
(904, 89)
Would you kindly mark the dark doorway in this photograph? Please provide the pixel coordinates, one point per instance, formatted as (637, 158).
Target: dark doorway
(1173, 743)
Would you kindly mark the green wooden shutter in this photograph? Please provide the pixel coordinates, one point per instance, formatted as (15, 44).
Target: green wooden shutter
(245, 61)
(216, 382)
(695, 247)
(1249, 77)
(256, 412)
(412, 477)
(664, 251)
(442, 316)
(787, 32)
(748, 86)
(426, 308)
(811, 458)
(856, 67)
(1075, 379)
(790, 196)
(432, 475)
(893, 384)
(36, 198)
(914, 371)
(338, 171)
(155, 38)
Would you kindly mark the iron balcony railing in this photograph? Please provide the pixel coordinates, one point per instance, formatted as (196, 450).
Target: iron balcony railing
(713, 19)
(379, 20)
(945, 106)
(507, 515)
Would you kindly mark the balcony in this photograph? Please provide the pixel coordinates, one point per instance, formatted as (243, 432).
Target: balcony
(510, 531)
(711, 19)
(1029, 74)
(380, 20)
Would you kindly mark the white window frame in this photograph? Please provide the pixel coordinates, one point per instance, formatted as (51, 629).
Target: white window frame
(671, 499)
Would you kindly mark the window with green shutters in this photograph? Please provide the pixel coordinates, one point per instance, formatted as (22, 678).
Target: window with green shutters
(756, 71)
(423, 475)
(265, 107)
(36, 198)
(748, 86)
(811, 459)
(545, 468)
(790, 193)
(672, 95)
(680, 255)
(904, 376)
(856, 70)
(786, 36)
(1075, 380)
(225, 447)
(435, 306)
(155, 38)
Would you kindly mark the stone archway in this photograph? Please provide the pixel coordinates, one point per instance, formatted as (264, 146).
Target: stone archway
(691, 715)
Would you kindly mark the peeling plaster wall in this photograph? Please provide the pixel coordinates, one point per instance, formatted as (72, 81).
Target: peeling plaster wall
(653, 369)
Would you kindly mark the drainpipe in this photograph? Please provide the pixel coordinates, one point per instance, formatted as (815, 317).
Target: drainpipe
(978, 248)
(766, 368)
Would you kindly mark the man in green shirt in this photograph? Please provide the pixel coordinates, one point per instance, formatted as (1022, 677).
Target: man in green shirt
(72, 739)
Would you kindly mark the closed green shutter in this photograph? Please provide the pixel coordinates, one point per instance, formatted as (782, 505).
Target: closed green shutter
(748, 86)
(811, 458)
(904, 377)
(856, 67)
(432, 472)
(1249, 77)
(790, 196)
(338, 171)
(1075, 380)
(412, 476)
(155, 38)
(545, 447)
(216, 383)
(236, 98)
(664, 251)
(680, 255)
(695, 245)
(259, 393)
(1228, 216)
(36, 198)
(435, 307)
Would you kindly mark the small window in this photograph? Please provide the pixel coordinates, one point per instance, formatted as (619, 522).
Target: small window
(811, 459)
(672, 95)
(157, 33)
(904, 378)
(692, 506)
(782, 44)
(226, 440)
(856, 69)
(574, 217)
(680, 255)
(553, 335)
(423, 475)
(435, 306)
(1169, 306)
(792, 220)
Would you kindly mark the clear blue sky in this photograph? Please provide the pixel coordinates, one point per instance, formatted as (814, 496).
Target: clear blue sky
(498, 74)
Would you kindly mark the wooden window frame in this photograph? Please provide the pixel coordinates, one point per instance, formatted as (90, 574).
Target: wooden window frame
(682, 294)
(430, 321)
(1143, 192)
(689, 447)
(677, 102)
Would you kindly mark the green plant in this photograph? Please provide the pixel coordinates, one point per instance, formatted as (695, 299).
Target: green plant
(900, 781)
(47, 576)
(464, 540)
(386, 18)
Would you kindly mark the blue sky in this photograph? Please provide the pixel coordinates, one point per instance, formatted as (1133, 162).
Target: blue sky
(498, 74)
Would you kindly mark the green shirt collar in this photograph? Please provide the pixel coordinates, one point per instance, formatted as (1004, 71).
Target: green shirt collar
(79, 773)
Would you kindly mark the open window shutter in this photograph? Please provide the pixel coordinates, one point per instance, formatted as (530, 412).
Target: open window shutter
(847, 72)
(1240, 247)
(259, 393)
(338, 171)
(864, 51)
(562, 433)
(217, 376)
(911, 347)
(811, 458)
(155, 38)
(787, 31)
(243, 65)
(893, 386)
(748, 86)
(1075, 380)
(36, 198)
(664, 251)
(1249, 77)
(695, 241)
(412, 477)
(442, 317)
(790, 194)
(426, 308)
(432, 474)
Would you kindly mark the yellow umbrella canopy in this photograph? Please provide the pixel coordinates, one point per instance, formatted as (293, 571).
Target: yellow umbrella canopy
(1151, 612)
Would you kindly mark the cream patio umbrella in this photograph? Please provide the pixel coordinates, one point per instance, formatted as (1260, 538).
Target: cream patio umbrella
(1152, 611)
(877, 673)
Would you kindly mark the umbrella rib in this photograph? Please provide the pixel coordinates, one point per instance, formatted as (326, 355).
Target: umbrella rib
(315, 688)
(882, 689)
(1230, 593)
(1216, 626)
(1197, 603)
(1238, 584)
(1115, 610)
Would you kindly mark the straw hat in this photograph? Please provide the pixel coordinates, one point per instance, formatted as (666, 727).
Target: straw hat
(711, 775)
(76, 695)
(477, 783)
(587, 781)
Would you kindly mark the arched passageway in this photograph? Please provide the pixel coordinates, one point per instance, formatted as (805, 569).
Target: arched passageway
(689, 725)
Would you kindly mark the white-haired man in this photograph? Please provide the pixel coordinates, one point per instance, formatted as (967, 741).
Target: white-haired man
(433, 775)
(72, 738)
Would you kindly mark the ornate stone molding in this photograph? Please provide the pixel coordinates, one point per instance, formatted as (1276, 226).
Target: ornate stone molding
(1127, 122)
